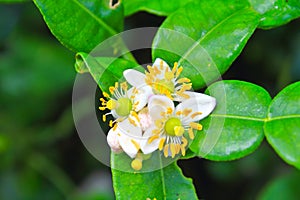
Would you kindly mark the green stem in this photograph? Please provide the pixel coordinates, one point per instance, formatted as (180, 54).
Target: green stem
(53, 173)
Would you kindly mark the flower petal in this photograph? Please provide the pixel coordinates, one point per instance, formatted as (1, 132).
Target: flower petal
(191, 95)
(141, 98)
(113, 141)
(201, 105)
(158, 104)
(129, 137)
(128, 145)
(130, 127)
(134, 77)
(145, 146)
(163, 68)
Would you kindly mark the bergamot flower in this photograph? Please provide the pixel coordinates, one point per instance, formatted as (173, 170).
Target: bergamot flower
(127, 135)
(123, 103)
(127, 107)
(162, 79)
(172, 125)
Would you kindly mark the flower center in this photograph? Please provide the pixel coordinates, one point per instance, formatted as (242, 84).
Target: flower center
(164, 86)
(124, 106)
(173, 127)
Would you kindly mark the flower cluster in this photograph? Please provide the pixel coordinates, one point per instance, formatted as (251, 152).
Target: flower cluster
(145, 116)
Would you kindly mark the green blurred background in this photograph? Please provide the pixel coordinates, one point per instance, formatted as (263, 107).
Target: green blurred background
(41, 155)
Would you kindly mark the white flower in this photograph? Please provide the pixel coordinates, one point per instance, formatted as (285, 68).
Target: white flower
(124, 106)
(170, 124)
(127, 135)
(124, 103)
(162, 79)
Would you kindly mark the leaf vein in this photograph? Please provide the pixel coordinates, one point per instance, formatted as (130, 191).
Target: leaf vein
(202, 38)
(239, 117)
(99, 20)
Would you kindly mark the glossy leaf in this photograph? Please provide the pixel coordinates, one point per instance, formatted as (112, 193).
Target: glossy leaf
(276, 12)
(284, 187)
(105, 70)
(282, 129)
(158, 7)
(81, 25)
(205, 37)
(240, 114)
(165, 183)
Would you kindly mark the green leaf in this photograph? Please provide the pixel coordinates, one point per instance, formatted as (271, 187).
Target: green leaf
(158, 7)
(239, 117)
(13, 1)
(282, 129)
(165, 183)
(80, 25)
(284, 187)
(105, 70)
(276, 12)
(205, 37)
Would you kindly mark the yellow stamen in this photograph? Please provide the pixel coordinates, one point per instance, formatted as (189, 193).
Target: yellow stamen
(105, 94)
(135, 91)
(102, 108)
(102, 100)
(115, 126)
(150, 69)
(116, 85)
(178, 130)
(112, 89)
(186, 87)
(195, 114)
(161, 65)
(111, 104)
(184, 141)
(163, 114)
(136, 145)
(182, 150)
(104, 118)
(132, 121)
(156, 131)
(180, 93)
(177, 148)
(136, 103)
(169, 110)
(137, 164)
(135, 115)
(196, 126)
(156, 71)
(161, 143)
(186, 111)
(111, 123)
(175, 68)
(124, 86)
(139, 156)
(169, 76)
(191, 133)
(154, 137)
(166, 150)
(183, 80)
(178, 72)
(179, 112)
(173, 150)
